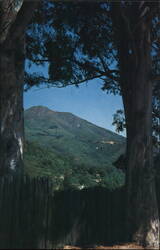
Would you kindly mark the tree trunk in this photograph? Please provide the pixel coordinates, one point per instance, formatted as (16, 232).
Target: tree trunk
(142, 209)
(134, 53)
(13, 23)
(141, 195)
(11, 107)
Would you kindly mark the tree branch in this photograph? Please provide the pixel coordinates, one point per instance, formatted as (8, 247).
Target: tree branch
(103, 63)
(107, 73)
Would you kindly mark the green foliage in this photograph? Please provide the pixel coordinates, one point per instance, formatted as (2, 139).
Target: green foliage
(65, 174)
(67, 154)
(42, 162)
(119, 120)
(72, 136)
(120, 123)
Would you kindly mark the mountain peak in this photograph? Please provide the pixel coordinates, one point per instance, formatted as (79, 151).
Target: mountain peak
(39, 110)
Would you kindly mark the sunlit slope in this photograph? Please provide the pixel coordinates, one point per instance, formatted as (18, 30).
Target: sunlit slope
(70, 135)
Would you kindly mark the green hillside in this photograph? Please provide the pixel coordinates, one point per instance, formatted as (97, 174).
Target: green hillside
(62, 144)
(70, 135)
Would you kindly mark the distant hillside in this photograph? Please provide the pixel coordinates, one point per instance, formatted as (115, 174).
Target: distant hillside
(64, 173)
(72, 152)
(69, 135)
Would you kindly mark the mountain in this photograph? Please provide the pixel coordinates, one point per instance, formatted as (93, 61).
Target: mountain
(70, 136)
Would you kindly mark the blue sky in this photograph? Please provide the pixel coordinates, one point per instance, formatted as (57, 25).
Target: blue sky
(88, 102)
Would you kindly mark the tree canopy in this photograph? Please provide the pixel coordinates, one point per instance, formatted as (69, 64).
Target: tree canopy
(76, 42)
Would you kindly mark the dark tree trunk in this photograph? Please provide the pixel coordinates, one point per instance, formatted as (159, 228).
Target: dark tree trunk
(134, 52)
(11, 107)
(13, 23)
(142, 210)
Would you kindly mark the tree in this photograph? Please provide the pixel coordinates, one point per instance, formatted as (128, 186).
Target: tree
(14, 18)
(89, 41)
(120, 123)
(135, 64)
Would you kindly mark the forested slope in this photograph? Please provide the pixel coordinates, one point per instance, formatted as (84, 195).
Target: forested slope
(70, 150)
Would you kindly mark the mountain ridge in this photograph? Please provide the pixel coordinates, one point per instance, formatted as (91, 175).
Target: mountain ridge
(70, 135)
(44, 109)
(71, 151)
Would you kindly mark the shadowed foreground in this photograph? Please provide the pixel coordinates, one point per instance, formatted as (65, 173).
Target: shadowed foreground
(33, 216)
